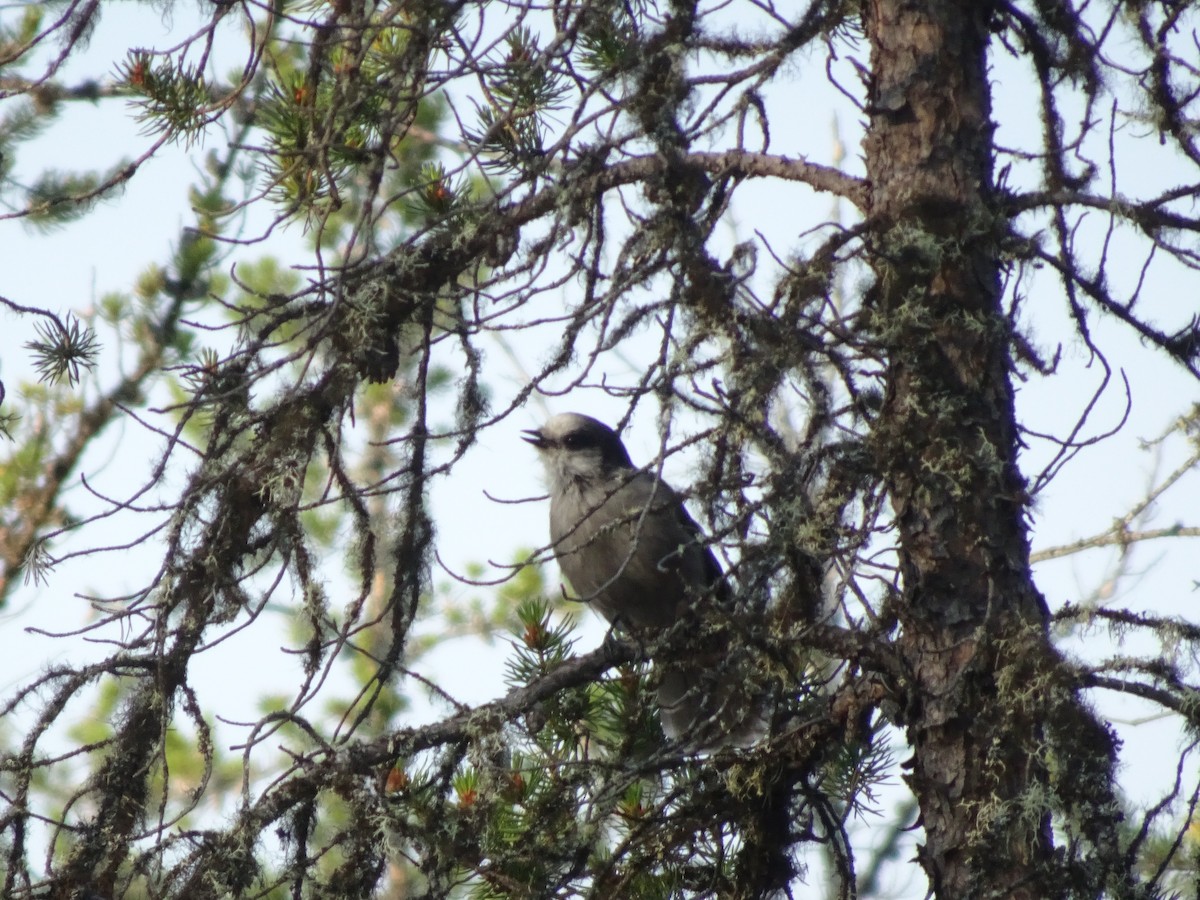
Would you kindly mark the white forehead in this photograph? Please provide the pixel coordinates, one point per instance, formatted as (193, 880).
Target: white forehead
(559, 426)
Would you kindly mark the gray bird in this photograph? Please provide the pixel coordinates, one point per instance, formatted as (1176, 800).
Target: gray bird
(629, 548)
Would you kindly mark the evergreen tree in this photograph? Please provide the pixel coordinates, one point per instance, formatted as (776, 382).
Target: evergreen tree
(579, 185)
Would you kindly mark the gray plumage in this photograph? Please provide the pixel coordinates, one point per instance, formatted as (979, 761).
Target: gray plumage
(629, 548)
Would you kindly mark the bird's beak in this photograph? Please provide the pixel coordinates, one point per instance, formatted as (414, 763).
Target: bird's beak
(533, 436)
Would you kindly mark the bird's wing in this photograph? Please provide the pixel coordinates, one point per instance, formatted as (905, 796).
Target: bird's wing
(677, 544)
(714, 575)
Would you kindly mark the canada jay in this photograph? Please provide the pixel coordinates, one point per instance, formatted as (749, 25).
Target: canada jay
(629, 548)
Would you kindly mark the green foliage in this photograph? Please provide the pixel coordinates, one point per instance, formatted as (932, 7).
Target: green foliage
(857, 770)
(441, 199)
(21, 123)
(543, 646)
(474, 176)
(523, 85)
(173, 98)
(608, 39)
(329, 120)
(25, 30)
(519, 813)
(63, 349)
(521, 91)
(56, 198)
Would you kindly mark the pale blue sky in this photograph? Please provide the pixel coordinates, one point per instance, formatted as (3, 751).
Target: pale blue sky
(69, 268)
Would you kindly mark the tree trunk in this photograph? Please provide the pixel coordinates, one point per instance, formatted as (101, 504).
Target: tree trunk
(973, 626)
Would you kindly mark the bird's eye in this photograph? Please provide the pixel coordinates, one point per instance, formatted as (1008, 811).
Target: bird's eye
(575, 441)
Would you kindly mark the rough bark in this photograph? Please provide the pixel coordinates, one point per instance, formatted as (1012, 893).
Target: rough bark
(970, 614)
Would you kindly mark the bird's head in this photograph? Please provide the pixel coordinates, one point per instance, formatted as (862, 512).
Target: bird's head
(577, 448)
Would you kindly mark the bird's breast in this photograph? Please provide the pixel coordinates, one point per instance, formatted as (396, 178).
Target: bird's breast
(617, 556)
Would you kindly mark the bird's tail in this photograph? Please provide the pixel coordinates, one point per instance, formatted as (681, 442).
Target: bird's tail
(703, 708)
